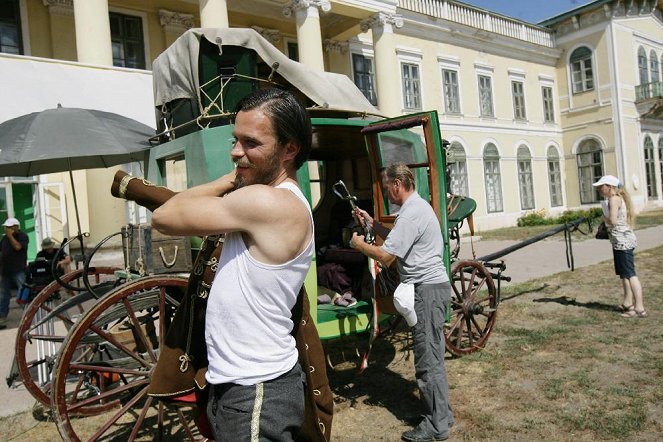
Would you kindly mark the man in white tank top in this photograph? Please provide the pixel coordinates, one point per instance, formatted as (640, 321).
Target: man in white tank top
(257, 390)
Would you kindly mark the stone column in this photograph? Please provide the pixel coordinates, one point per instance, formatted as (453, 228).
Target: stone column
(387, 70)
(309, 38)
(93, 35)
(174, 24)
(213, 14)
(63, 42)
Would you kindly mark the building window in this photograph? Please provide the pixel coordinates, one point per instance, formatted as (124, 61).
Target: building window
(590, 169)
(11, 41)
(660, 159)
(485, 96)
(293, 51)
(643, 69)
(491, 165)
(518, 92)
(411, 89)
(525, 178)
(362, 68)
(581, 70)
(548, 104)
(650, 168)
(457, 165)
(654, 65)
(450, 88)
(127, 41)
(554, 178)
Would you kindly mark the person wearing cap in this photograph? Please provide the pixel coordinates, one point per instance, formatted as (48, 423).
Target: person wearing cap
(618, 218)
(415, 244)
(49, 252)
(13, 260)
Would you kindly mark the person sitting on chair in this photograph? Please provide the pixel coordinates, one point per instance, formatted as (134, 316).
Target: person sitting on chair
(49, 252)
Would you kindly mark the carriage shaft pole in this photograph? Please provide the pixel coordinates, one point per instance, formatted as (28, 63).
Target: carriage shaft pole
(500, 253)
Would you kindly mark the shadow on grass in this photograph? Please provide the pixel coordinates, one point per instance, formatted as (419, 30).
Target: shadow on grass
(565, 300)
(378, 385)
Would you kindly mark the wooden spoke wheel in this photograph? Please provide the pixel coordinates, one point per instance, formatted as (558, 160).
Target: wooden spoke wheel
(474, 304)
(105, 365)
(38, 338)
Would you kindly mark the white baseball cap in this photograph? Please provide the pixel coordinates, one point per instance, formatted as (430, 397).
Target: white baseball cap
(11, 222)
(607, 179)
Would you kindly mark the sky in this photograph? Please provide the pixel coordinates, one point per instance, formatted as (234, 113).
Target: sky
(532, 11)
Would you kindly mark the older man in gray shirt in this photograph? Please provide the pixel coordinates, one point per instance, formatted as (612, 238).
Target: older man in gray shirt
(416, 244)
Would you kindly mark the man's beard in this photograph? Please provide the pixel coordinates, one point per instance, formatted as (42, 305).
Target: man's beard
(265, 175)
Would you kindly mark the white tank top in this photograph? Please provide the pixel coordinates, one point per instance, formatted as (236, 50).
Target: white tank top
(248, 323)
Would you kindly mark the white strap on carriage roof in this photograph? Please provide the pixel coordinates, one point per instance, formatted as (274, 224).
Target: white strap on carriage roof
(175, 71)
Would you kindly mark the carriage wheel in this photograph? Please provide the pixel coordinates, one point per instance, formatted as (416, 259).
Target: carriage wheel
(105, 365)
(473, 308)
(37, 344)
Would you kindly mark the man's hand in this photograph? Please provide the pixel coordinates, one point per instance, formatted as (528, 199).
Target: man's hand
(357, 240)
(227, 182)
(363, 218)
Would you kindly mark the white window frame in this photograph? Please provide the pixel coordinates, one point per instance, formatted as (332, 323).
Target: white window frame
(525, 177)
(588, 174)
(654, 67)
(411, 56)
(584, 83)
(371, 59)
(649, 157)
(643, 65)
(146, 38)
(554, 176)
(458, 172)
(492, 173)
(485, 71)
(450, 64)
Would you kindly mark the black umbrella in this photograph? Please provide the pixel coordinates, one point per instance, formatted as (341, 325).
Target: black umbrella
(67, 139)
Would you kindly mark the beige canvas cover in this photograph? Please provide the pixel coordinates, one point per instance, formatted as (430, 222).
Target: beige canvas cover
(175, 71)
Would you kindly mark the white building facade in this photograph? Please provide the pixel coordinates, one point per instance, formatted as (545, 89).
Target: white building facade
(534, 113)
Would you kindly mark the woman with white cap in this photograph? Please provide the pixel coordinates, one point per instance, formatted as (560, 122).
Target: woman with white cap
(618, 218)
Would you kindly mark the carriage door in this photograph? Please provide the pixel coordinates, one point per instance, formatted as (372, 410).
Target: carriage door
(414, 140)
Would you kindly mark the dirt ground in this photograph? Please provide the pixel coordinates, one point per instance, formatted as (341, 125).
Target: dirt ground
(560, 365)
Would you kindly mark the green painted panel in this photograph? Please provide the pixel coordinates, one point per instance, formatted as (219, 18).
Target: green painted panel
(25, 213)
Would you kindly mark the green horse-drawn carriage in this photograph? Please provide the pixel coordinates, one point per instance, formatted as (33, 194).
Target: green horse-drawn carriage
(108, 346)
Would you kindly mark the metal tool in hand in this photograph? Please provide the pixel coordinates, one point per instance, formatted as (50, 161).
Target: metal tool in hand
(342, 192)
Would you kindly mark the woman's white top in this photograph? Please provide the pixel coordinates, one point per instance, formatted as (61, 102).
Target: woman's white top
(621, 234)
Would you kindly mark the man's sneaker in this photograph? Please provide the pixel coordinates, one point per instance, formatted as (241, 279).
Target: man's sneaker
(419, 435)
(3, 322)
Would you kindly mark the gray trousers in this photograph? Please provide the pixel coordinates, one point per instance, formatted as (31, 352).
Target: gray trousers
(268, 411)
(430, 304)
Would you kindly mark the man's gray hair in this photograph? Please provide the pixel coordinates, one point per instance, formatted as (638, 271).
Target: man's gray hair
(399, 171)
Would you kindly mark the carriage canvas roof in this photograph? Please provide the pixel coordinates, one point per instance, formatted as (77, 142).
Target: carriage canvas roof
(175, 71)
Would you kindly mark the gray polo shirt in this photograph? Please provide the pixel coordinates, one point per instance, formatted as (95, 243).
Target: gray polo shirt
(416, 240)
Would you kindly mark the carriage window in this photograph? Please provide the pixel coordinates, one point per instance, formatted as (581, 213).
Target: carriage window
(409, 147)
(174, 173)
